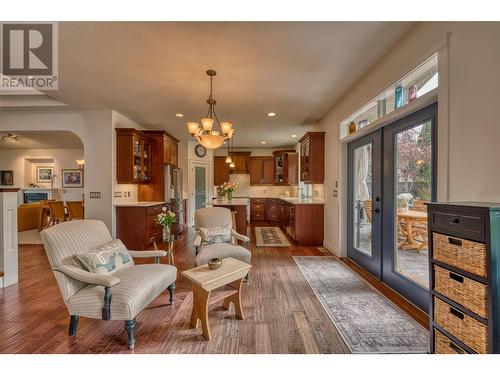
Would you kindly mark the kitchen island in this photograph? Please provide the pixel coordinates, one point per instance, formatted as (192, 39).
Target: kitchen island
(239, 206)
(301, 218)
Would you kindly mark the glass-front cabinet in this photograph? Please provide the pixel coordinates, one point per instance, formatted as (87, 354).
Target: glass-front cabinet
(312, 158)
(133, 155)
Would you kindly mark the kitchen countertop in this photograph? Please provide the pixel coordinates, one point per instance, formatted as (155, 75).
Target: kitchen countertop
(137, 204)
(233, 202)
(296, 200)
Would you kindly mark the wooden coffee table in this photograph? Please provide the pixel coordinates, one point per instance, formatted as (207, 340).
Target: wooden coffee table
(232, 272)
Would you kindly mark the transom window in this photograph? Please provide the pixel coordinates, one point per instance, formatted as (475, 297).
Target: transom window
(418, 82)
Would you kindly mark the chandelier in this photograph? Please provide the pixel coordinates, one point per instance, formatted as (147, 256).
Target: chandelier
(205, 135)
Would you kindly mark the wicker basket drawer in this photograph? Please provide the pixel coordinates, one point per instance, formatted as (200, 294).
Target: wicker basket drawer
(465, 328)
(464, 291)
(467, 255)
(443, 345)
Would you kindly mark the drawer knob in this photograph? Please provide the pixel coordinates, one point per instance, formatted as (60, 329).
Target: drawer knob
(455, 220)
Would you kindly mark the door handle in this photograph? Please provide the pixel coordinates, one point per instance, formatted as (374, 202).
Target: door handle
(376, 211)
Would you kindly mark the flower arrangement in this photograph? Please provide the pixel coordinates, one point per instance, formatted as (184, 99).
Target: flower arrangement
(165, 218)
(227, 188)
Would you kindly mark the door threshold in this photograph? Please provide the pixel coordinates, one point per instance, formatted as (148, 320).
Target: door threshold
(420, 316)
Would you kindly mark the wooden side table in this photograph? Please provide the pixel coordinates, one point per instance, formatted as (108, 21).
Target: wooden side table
(204, 280)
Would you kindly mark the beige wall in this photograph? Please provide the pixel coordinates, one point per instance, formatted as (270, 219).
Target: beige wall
(96, 130)
(468, 155)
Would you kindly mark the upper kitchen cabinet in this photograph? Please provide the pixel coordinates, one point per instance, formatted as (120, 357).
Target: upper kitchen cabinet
(221, 170)
(163, 151)
(241, 162)
(133, 157)
(285, 167)
(312, 158)
(167, 149)
(261, 170)
(173, 143)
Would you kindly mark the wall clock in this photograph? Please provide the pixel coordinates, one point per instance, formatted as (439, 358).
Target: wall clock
(200, 151)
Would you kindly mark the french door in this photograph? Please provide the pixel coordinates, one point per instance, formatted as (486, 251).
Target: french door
(387, 230)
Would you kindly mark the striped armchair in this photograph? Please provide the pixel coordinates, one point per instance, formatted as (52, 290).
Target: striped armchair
(121, 295)
(210, 217)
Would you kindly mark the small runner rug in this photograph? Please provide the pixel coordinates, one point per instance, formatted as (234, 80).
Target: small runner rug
(270, 237)
(367, 321)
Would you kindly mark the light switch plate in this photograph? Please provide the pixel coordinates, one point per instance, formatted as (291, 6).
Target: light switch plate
(118, 194)
(95, 194)
(335, 193)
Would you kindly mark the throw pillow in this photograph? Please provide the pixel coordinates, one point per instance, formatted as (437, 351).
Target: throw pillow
(107, 258)
(221, 233)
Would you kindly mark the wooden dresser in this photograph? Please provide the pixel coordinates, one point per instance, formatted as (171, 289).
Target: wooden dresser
(464, 251)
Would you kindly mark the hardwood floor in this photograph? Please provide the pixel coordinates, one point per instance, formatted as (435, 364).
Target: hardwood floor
(282, 313)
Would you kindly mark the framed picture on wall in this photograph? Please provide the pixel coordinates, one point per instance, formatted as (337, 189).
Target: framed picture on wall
(7, 177)
(72, 178)
(44, 174)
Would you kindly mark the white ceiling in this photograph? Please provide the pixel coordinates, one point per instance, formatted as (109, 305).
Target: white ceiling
(149, 71)
(42, 140)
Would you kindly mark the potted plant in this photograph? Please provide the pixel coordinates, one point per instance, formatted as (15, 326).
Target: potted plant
(227, 188)
(165, 219)
(402, 204)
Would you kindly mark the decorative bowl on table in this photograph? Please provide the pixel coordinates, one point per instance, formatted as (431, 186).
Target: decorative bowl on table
(214, 263)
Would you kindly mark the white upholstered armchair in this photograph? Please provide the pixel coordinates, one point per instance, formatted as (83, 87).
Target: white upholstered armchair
(211, 217)
(116, 294)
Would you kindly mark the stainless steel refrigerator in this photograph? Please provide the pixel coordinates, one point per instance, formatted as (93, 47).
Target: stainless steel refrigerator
(173, 196)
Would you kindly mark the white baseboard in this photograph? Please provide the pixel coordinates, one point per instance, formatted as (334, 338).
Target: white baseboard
(331, 247)
(1, 282)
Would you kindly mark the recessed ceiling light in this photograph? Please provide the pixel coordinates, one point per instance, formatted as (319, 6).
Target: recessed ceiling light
(179, 115)
(294, 135)
(263, 142)
(271, 114)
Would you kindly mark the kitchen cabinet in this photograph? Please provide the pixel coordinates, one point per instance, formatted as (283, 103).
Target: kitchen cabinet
(303, 222)
(312, 158)
(272, 209)
(174, 151)
(221, 170)
(257, 209)
(136, 227)
(133, 157)
(261, 170)
(285, 167)
(241, 162)
(163, 151)
(170, 151)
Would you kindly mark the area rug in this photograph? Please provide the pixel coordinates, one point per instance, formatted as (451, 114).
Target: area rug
(270, 237)
(367, 321)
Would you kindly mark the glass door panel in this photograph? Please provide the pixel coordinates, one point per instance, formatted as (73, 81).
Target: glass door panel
(364, 231)
(412, 188)
(200, 185)
(362, 203)
(409, 176)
